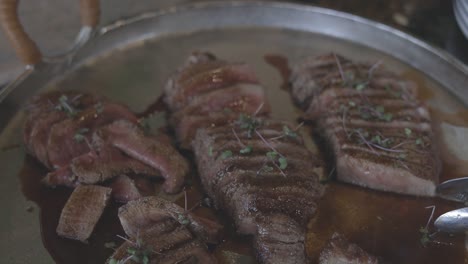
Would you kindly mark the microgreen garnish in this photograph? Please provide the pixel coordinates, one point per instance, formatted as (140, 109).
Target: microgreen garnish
(352, 103)
(248, 122)
(210, 151)
(226, 154)
(360, 86)
(288, 132)
(283, 163)
(426, 237)
(136, 253)
(408, 131)
(79, 135)
(402, 156)
(419, 141)
(64, 105)
(271, 154)
(246, 150)
(182, 219)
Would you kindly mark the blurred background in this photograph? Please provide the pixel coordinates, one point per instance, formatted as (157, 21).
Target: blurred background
(53, 24)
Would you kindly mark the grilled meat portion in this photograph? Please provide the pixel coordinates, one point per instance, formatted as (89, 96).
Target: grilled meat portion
(45, 110)
(340, 251)
(270, 191)
(161, 232)
(87, 139)
(202, 74)
(158, 154)
(379, 132)
(255, 169)
(208, 91)
(144, 213)
(124, 189)
(82, 211)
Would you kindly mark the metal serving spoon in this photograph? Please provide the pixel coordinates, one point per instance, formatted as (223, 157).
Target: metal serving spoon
(455, 221)
(454, 190)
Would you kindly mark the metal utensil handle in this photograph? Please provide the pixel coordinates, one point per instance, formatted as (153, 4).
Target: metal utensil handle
(26, 48)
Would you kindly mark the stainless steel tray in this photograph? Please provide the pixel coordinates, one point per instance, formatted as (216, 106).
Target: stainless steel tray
(130, 60)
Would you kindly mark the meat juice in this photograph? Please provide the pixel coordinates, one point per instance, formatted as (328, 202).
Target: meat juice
(384, 224)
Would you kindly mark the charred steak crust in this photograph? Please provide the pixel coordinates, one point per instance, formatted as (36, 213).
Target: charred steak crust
(379, 132)
(254, 168)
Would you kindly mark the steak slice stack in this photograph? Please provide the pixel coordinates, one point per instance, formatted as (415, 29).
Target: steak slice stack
(378, 131)
(162, 232)
(87, 139)
(254, 168)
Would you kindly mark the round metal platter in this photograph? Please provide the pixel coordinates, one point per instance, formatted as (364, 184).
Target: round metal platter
(130, 60)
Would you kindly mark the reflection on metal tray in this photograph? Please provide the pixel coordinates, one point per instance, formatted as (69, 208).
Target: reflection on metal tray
(130, 60)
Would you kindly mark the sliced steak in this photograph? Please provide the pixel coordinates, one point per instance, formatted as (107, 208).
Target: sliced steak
(155, 153)
(204, 77)
(70, 138)
(340, 251)
(82, 211)
(142, 214)
(265, 194)
(370, 118)
(45, 110)
(124, 189)
(207, 91)
(160, 232)
(78, 136)
(251, 167)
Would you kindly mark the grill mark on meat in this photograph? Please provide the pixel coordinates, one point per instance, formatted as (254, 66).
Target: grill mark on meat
(188, 125)
(82, 211)
(354, 120)
(340, 251)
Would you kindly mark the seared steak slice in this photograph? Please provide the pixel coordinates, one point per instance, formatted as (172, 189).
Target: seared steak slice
(340, 251)
(239, 98)
(144, 213)
(82, 211)
(207, 91)
(257, 175)
(70, 138)
(76, 135)
(201, 78)
(45, 110)
(160, 232)
(379, 133)
(124, 189)
(155, 153)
